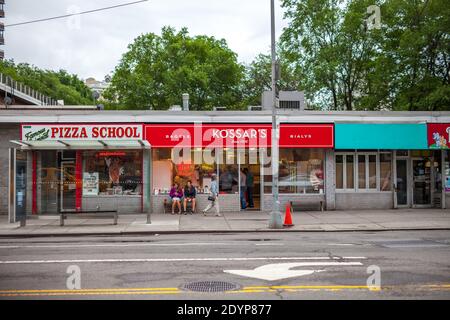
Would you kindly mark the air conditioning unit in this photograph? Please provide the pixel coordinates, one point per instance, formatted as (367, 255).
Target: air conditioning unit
(255, 108)
(220, 108)
(294, 100)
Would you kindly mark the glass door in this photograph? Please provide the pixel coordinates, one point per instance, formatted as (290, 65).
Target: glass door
(402, 182)
(421, 168)
(68, 186)
(250, 170)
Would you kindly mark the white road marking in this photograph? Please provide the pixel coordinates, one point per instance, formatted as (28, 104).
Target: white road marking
(122, 245)
(278, 271)
(168, 260)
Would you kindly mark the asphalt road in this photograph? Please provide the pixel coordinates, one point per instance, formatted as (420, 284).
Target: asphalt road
(412, 265)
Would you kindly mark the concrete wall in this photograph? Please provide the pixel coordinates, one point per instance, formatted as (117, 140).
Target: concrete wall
(227, 202)
(124, 204)
(7, 132)
(447, 201)
(330, 180)
(308, 201)
(364, 200)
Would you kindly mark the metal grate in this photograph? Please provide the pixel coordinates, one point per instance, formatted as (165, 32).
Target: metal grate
(210, 286)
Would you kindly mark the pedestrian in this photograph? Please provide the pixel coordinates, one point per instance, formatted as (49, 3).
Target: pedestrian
(176, 194)
(243, 189)
(250, 184)
(189, 196)
(214, 197)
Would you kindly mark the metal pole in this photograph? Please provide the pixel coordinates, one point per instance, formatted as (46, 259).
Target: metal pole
(275, 216)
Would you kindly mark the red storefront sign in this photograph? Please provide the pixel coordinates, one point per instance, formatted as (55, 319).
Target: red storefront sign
(307, 135)
(238, 135)
(438, 135)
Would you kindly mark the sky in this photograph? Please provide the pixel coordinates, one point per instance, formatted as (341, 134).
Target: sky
(91, 45)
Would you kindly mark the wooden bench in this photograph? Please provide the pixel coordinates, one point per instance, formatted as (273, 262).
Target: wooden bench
(89, 214)
(298, 203)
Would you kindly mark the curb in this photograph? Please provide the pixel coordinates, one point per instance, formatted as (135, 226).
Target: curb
(143, 233)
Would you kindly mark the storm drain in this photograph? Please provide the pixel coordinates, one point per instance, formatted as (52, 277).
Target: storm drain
(210, 286)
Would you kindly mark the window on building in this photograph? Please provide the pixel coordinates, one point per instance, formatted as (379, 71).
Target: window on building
(166, 171)
(339, 171)
(385, 172)
(300, 171)
(361, 171)
(350, 172)
(371, 172)
(112, 172)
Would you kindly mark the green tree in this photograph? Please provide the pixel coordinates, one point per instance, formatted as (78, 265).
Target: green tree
(157, 70)
(258, 75)
(417, 49)
(57, 85)
(331, 49)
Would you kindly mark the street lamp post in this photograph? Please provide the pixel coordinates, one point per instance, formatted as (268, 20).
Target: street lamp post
(275, 216)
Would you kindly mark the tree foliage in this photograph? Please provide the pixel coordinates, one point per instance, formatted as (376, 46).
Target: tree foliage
(157, 70)
(258, 75)
(58, 85)
(402, 66)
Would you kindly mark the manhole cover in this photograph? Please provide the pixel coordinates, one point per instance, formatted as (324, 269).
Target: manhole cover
(210, 286)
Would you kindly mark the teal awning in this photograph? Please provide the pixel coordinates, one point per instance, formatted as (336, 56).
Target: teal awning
(381, 136)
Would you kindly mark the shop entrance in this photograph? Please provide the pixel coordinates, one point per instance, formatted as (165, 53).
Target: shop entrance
(421, 174)
(402, 182)
(68, 186)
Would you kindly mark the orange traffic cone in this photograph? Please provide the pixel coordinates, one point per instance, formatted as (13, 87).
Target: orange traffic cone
(288, 217)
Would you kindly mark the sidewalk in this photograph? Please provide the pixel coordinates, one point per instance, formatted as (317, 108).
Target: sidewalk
(312, 221)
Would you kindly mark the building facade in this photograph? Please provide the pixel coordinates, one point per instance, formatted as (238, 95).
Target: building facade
(77, 160)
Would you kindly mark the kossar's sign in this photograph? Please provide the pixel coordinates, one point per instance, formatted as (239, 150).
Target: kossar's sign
(438, 135)
(239, 135)
(49, 132)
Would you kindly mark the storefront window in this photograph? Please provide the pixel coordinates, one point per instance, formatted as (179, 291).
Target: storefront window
(361, 171)
(339, 171)
(228, 171)
(166, 172)
(446, 170)
(373, 171)
(50, 179)
(385, 171)
(301, 171)
(112, 173)
(350, 170)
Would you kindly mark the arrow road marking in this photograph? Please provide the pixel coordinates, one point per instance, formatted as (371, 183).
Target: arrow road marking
(278, 271)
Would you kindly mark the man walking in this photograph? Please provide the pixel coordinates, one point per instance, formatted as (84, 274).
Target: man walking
(249, 183)
(243, 189)
(214, 197)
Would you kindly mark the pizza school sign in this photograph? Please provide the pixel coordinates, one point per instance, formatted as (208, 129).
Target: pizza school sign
(81, 132)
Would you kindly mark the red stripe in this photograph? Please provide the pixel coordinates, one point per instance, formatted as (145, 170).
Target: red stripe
(78, 179)
(142, 181)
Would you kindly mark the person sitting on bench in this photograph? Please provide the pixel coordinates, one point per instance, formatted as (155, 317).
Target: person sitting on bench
(189, 196)
(176, 193)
